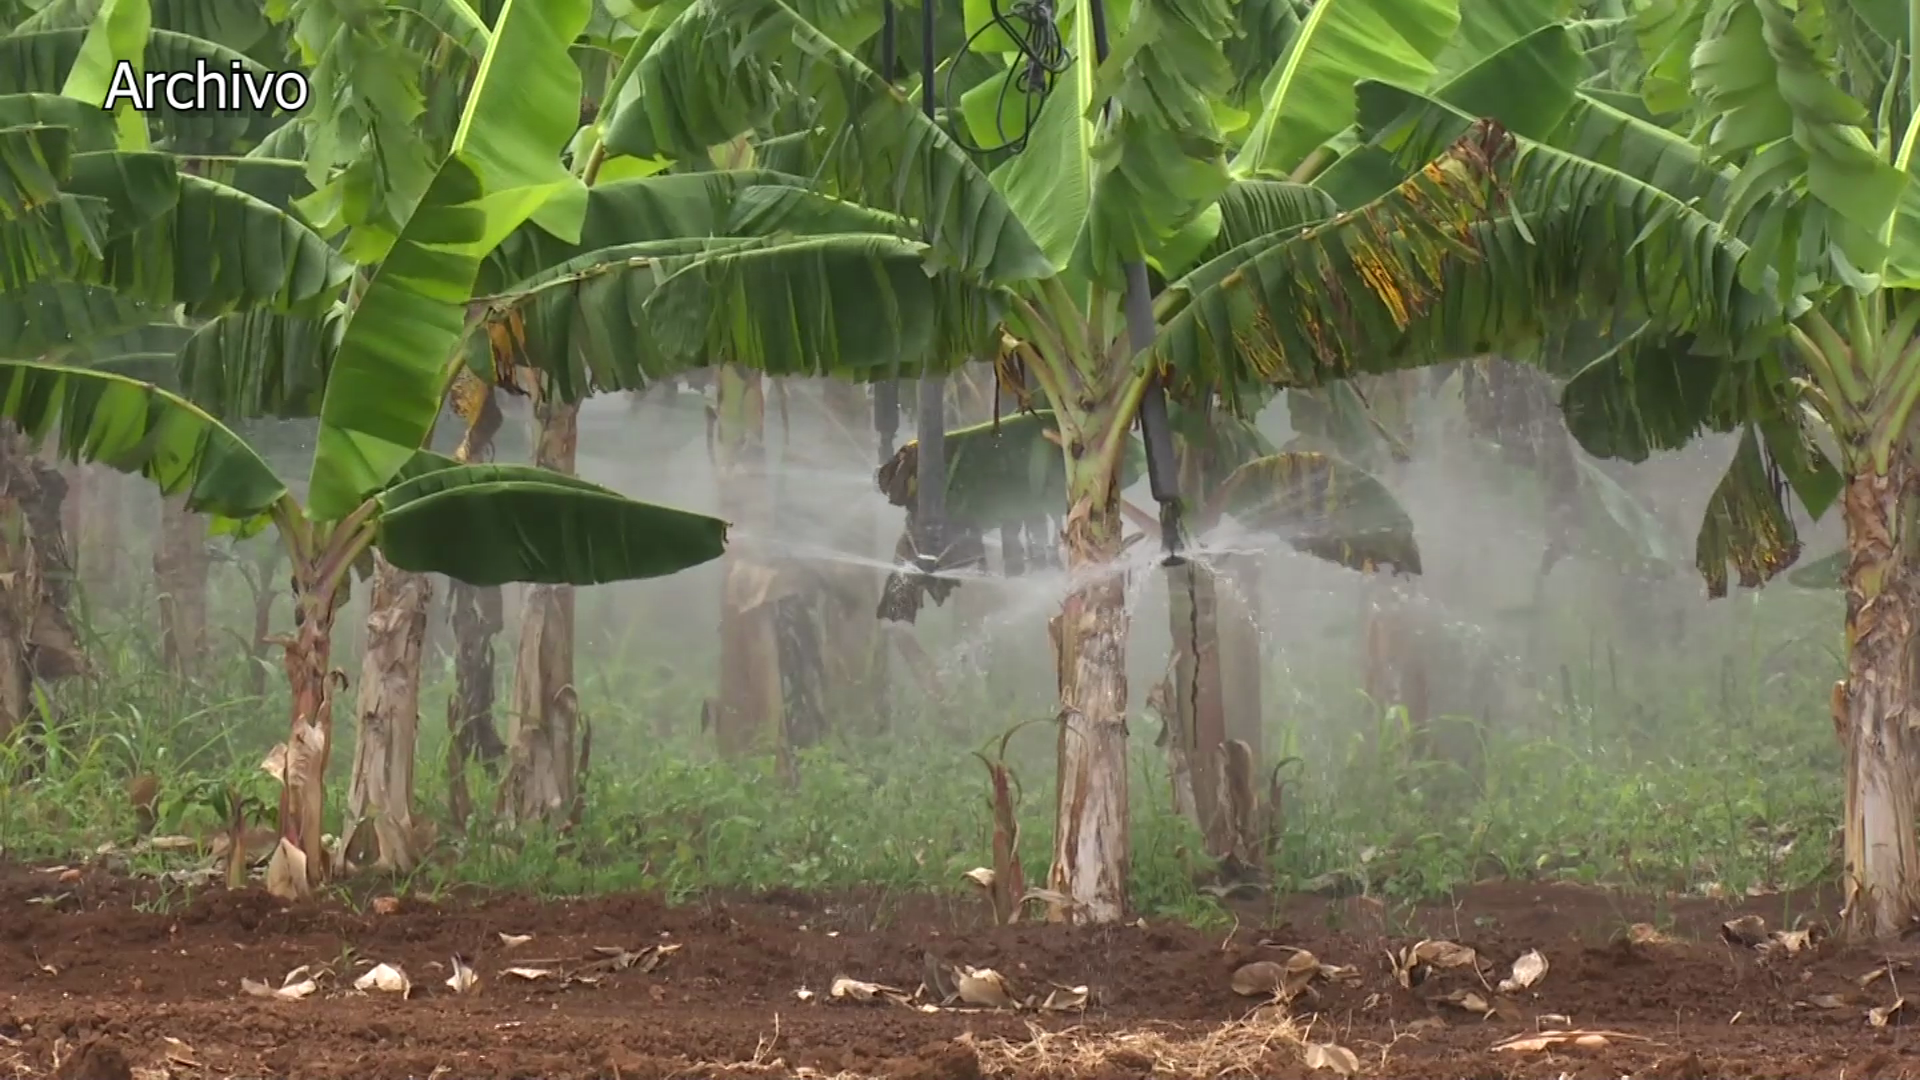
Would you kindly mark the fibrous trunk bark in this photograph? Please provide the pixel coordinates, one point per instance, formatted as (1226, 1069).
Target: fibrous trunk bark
(37, 638)
(300, 861)
(747, 711)
(380, 793)
(1876, 703)
(542, 782)
(1090, 853)
(180, 567)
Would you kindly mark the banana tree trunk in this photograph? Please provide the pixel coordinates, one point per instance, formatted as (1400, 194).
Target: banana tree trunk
(16, 599)
(180, 567)
(476, 616)
(1090, 855)
(1199, 723)
(747, 716)
(380, 793)
(475, 612)
(1876, 702)
(541, 781)
(300, 861)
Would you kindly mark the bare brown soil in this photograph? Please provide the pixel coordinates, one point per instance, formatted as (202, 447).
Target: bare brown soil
(95, 979)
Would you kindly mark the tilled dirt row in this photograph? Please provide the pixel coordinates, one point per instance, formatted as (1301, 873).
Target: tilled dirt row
(99, 982)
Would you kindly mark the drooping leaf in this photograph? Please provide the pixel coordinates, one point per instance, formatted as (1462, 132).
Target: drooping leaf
(142, 431)
(44, 317)
(873, 145)
(1432, 272)
(1747, 524)
(260, 363)
(998, 472)
(493, 524)
(1322, 506)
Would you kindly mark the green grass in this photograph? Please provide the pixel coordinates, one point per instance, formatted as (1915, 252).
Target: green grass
(1694, 770)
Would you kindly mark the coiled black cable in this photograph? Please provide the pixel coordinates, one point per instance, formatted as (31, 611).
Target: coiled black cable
(1042, 58)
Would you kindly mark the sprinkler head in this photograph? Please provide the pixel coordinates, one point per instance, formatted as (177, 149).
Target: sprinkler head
(1174, 560)
(926, 564)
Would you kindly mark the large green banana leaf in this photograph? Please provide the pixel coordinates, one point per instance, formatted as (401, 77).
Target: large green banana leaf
(519, 523)
(1775, 106)
(46, 316)
(390, 372)
(118, 35)
(237, 24)
(141, 430)
(872, 144)
(134, 222)
(42, 62)
(1308, 98)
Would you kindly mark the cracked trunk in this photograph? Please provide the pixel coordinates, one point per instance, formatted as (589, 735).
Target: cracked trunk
(1875, 704)
(1090, 856)
(542, 782)
(180, 567)
(1199, 725)
(380, 793)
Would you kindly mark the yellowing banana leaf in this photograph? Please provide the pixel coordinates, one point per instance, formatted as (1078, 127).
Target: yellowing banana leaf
(1746, 525)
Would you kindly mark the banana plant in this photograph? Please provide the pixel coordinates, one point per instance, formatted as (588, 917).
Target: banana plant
(1814, 124)
(1010, 471)
(371, 485)
(909, 258)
